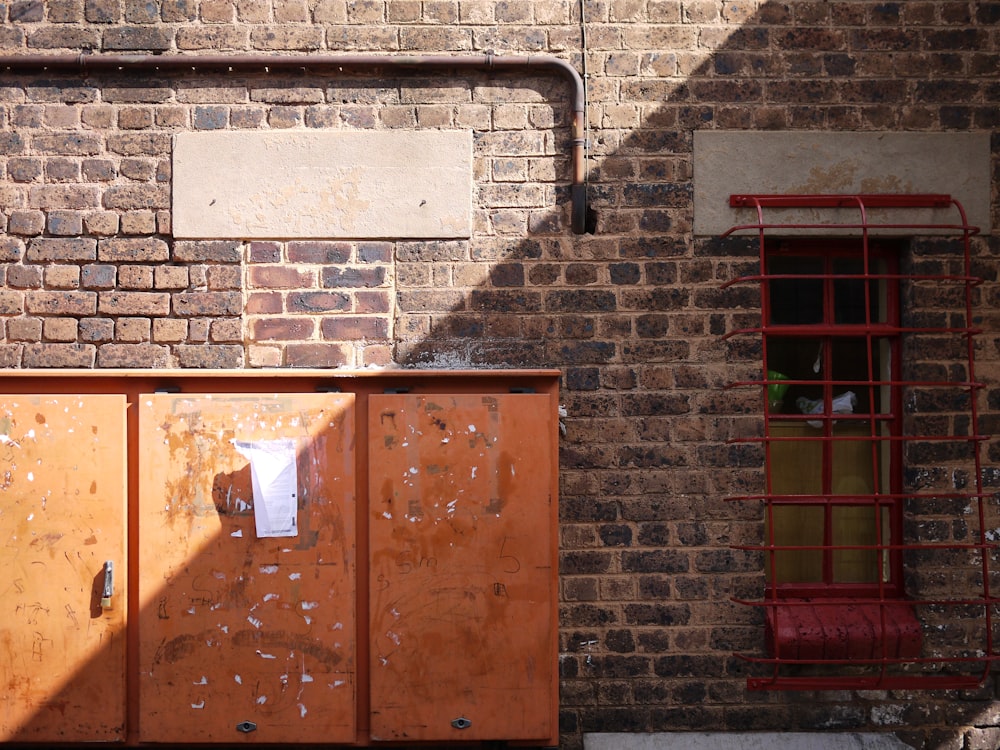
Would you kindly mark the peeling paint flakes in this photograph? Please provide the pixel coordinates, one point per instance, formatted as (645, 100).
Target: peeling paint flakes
(198, 705)
(262, 655)
(302, 711)
(257, 623)
(202, 681)
(294, 576)
(261, 700)
(238, 533)
(269, 597)
(238, 679)
(310, 605)
(268, 569)
(338, 683)
(307, 678)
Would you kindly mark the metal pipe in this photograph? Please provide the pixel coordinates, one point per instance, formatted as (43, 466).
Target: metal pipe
(136, 64)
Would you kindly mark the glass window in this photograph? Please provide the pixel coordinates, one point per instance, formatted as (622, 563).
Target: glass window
(830, 341)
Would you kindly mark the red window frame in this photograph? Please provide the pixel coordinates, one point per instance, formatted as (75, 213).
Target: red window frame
(884, 636)
(884, 422)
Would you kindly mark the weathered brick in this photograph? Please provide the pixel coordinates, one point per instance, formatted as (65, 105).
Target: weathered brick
(62, 37)
(226, 330)
(11, 302)
(216, 356)
(62, 277)
(132, 250)
(134, 303)
(65, 223)
(133, 355)
(170, 277)
(59, 355)
(136, 197)
(24, 329)
(132, 330)
(50, 249)
(214, 251)
(168, 330)
(287, 37)
(139, 143)
(188, 304)
(49, 197)
(133, 38)
(11, 249)
(96, 330)
(59, 329)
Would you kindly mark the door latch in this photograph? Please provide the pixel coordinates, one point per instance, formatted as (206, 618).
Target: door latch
(109, 585)
(246, 727)
(461, 723)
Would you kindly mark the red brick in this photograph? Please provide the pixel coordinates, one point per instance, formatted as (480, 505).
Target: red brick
(353, 328)
(282, 329)
(319, 252)
(317, 355)
(261, 303)
(317, 302)
(281, 277)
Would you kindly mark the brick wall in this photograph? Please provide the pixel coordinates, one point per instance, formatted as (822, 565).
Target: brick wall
(90, 275)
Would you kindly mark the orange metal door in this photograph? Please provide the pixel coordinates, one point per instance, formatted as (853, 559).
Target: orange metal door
(462, 497)
(62, 519)
(244, 637)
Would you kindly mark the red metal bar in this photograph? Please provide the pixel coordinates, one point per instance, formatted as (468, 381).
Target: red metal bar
(888, 672)
(872, 200)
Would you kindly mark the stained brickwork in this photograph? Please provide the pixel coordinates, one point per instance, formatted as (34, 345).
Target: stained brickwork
(633, 313)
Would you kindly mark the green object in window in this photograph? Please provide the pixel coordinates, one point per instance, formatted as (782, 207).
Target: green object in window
(776, 391)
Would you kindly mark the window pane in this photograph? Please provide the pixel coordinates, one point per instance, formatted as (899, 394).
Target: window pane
(855, 525)
(795, 301)
(800, 525)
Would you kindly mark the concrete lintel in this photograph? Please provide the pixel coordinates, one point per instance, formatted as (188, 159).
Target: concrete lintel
(811, 162)
(323, 184)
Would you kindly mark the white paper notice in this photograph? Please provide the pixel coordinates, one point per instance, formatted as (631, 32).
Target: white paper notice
(275, 485)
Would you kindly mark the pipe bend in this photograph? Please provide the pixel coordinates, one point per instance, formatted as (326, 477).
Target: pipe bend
(88, 62)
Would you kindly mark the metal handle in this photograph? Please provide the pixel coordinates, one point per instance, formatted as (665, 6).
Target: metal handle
(109, 584)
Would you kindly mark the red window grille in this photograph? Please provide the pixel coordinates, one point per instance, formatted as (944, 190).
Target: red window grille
(923, 615)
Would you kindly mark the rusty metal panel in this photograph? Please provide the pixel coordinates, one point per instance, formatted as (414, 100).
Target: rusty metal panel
(243, 637)
(462, 584)
(62, 520)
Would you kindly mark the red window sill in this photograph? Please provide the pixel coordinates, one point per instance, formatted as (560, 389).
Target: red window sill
(816, 631)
